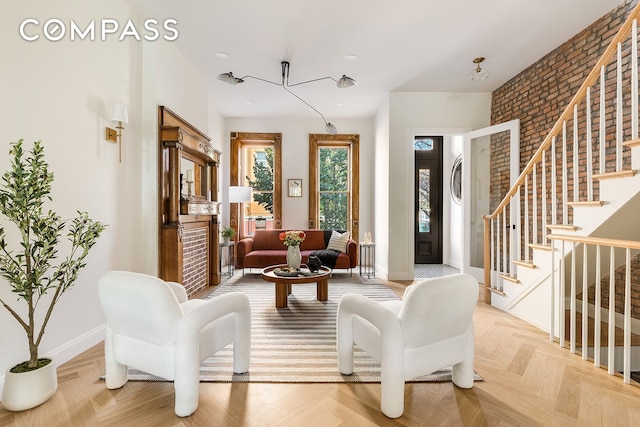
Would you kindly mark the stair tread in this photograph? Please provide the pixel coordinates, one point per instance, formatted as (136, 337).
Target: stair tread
(613, 175)
(586, 203)
(495, 291)
(562, 227)
(525, 264)
(541, 247)
(509, 278)
(631, 143)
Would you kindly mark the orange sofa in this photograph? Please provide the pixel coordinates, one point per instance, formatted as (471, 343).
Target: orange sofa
(265, 248)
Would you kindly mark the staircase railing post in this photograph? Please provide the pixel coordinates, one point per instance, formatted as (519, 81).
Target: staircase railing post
(487, 260)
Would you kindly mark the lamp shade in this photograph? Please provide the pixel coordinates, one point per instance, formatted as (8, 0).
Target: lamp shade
(120, 114)
(345, 81)
(239, 194)
(330, 129)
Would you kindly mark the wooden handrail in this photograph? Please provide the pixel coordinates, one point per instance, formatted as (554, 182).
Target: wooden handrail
(622, 33)
(602, 241)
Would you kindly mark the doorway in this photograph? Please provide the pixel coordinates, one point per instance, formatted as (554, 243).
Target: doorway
(428, 199)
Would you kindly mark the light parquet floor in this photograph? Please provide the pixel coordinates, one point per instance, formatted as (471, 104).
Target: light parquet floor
(528, 381)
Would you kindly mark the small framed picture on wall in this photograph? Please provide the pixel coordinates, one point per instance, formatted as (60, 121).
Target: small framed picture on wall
(295, 187)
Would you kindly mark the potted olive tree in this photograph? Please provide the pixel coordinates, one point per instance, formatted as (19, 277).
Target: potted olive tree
(30, 266)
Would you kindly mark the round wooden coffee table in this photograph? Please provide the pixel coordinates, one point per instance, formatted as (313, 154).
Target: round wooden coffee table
(283, 283)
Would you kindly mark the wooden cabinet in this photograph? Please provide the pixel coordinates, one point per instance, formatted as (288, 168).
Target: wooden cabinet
(188, 212)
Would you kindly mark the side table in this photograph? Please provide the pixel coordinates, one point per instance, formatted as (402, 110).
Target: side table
(230, 257)
(368, 259)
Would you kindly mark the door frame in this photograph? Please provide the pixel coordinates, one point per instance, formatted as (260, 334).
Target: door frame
(513, 127)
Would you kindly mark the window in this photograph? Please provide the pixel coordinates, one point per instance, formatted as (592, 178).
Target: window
(333, 169)
(256, 162)
(259, 176)
(334, 182)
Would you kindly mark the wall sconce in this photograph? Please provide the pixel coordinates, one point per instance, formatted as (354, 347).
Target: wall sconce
(121, 118)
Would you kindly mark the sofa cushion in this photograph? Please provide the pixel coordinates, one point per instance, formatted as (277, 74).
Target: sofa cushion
(314, 240)
(338, 242)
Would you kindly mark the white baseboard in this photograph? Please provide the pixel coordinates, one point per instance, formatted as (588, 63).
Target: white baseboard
(71, 349)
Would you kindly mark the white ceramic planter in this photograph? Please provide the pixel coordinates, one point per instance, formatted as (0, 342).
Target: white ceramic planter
(27, 390)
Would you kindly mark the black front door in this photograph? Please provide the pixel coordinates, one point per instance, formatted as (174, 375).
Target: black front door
(428, 200)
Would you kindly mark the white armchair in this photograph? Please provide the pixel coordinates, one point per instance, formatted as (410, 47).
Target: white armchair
(151, 326)
(430, 329)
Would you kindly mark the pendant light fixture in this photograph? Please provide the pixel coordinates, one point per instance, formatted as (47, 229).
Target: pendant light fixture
(342, 82)
(479, 73)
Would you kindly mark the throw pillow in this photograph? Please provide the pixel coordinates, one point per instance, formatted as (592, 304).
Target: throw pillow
(338, 242)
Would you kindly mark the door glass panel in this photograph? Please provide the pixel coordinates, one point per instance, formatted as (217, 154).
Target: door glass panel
(424, 201)
(423, 143)
(480, 180)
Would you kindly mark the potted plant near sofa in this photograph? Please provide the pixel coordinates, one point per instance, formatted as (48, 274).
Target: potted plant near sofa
(30, 269)
(227, 234)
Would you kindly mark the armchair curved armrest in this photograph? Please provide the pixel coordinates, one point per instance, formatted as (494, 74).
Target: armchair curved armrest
(210, 310)
(385, 320)
(179, 291)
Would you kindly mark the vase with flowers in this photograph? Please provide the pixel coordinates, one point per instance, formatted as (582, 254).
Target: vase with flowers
(293, 239)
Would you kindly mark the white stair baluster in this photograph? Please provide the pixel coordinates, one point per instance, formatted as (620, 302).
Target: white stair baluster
(589, 148)
(619, 112)
(576, 183)
(598, 307)
(565, 197)
(612, 312)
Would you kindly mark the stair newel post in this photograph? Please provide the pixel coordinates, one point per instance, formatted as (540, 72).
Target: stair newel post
(487, 259)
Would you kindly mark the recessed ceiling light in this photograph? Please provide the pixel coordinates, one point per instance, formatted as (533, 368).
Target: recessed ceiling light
(247, 102)
(339, 104)
(222, 55)
(351, 57)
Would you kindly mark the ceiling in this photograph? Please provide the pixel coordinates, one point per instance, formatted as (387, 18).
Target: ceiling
(406, 45)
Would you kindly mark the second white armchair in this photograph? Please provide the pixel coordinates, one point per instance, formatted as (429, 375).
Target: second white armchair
(430, 329)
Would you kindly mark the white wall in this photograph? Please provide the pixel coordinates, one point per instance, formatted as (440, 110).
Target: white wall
(295, 163)
(409, 111)
(451, 211)
(381, 185)
(63, 93)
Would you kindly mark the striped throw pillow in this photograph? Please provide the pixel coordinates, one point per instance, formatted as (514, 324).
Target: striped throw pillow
(338, 242)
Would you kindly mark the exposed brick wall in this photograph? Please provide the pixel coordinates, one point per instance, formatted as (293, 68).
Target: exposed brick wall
(195, 259)
(539, 94)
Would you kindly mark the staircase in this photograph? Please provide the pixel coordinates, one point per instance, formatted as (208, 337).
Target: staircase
(570, 219)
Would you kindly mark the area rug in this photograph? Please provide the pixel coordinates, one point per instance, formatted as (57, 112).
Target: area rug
(296, 344)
